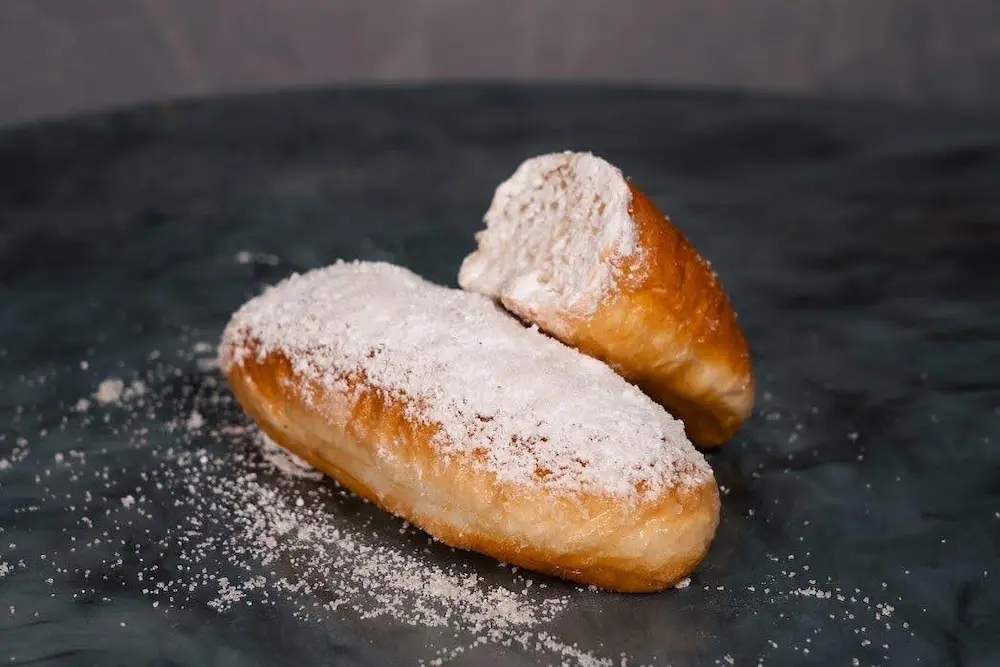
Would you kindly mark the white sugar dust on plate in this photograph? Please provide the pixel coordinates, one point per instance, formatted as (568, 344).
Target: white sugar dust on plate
(250, 524)
(174, 495)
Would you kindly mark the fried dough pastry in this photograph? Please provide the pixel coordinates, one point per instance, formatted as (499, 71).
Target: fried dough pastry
(441, 408)
(574, 247)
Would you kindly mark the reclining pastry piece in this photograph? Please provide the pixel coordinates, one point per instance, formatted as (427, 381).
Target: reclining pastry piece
(574, 247)
(438, 406)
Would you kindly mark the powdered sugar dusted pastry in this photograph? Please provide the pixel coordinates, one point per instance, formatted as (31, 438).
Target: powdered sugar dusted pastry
(441, 408)
(572, 246)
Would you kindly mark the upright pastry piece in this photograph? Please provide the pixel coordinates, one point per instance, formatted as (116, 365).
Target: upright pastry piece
(573, 246)
(441, 408)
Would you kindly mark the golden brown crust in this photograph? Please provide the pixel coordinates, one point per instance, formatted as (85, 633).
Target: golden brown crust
(572, 246)
(362, 438)
(669, 328)
(682, 344)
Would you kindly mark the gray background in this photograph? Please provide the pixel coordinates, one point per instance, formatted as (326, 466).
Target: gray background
(63, 56)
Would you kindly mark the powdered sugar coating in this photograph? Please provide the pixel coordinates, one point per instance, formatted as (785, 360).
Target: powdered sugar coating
(556, 233)
(528, 403)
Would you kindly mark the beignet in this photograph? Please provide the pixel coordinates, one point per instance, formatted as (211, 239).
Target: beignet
(574, 247)
(439, 407)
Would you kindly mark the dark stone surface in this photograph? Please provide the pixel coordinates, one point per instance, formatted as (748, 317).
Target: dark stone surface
(859, 245)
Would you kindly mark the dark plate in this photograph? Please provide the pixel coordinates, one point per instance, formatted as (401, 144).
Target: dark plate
(862, 503)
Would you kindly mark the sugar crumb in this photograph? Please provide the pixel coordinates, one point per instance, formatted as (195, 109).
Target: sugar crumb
(109, 391)
(194, 421)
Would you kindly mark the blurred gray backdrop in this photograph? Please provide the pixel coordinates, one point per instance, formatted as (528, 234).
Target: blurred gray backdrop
(62, 56)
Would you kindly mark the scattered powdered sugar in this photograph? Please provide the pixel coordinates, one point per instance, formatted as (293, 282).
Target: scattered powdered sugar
(556, 233)
(284, 460)
(539, 412)
(247, 257)
(206, 364)
(20, 452)
(221, 519)
(205, 356)
(203, 347)
(322, 558)
(109, 391)
(194, 421)
(113, 391)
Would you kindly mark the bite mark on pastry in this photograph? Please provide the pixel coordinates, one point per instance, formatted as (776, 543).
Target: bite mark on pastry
(571, 245)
